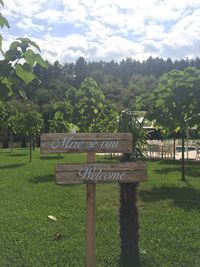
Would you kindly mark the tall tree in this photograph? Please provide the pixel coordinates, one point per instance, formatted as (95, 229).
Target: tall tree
(81, 71)
(175, 102)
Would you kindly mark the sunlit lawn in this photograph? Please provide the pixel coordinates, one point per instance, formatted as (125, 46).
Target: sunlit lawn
(169, 215)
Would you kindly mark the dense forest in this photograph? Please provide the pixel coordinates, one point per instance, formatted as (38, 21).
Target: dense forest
(83, 95)
(120, 82)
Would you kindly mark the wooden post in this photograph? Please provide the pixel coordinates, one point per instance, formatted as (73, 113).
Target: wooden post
(91, 246)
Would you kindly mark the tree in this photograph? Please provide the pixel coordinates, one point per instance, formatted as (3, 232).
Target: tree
(4, 115)
(175, 102)
(7, 123)
(58, 124)
(29, 124)
(16, 67)
(107, 119)
(129, 227)
(89, 103)
(81, 71)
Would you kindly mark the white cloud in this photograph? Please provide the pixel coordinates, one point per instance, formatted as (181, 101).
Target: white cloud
(110, 29)
(50, 15)
(18, 8)
(26, 23)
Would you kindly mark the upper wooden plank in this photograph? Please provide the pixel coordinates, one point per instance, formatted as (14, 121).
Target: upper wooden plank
(86, 142)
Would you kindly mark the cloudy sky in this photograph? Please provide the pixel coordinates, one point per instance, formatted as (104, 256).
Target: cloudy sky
(106, 29)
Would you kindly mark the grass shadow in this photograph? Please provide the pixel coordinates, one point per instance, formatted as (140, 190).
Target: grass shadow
(189, 162)
(190, 171)
(12, 166)
(47, 179)
(185, 197)
(42, 179)
(51, 157)
(17, 155)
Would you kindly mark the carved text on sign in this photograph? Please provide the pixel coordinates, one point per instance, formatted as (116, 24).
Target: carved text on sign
(100, 173)
(85, 142)
(94, 175)
(67, 142)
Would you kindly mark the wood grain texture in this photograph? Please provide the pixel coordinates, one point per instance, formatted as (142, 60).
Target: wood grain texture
(101, 173)
(91, 221)
(86, 142)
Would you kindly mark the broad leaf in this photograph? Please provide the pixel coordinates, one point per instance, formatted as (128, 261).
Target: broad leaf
(7, 82)
(29, 42)
(14, 45)
(159, 103)
(29, 56)
(41, 61)
(3, 22)
(12, 54)
(25, 75)
(1, 39)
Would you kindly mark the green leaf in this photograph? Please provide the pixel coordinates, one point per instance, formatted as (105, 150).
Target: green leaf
(7, 82)
(159, 103)
(3, 22)
(12, 54)
(1, 39)
(177, 129)
(26, 76)
(41, 61)
(14, 45)
(29, 56)
(1, 2)
(29, 42)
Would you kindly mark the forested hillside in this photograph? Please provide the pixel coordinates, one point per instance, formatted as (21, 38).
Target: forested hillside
(83, 95)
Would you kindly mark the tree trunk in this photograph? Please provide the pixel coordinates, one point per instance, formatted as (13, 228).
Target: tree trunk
(11, 143)
(33, 142)
(174, 154)
(129, 226)
(183, 159)
(30, 148)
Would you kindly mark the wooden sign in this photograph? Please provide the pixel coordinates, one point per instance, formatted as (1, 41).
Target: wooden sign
(92, 173)
(86, 142)
(100, 173)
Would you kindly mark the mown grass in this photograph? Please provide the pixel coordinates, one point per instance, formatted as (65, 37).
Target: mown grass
(169, 215)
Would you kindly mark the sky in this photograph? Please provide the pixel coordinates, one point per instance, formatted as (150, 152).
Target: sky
(106, 29)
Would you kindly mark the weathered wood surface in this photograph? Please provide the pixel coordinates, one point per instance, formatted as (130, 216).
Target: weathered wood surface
(101, 173)
(91, 221)
(86, 142)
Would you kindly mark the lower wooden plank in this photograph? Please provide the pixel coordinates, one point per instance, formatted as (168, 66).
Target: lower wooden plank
(101, 173)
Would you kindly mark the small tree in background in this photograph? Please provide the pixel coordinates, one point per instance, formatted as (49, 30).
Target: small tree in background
(89, 103)
(129, 227)
(29, 124)
(59, 124)
(106, 120)
(7, 123)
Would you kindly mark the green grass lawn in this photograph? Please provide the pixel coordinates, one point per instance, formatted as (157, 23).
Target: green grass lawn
(169, 215)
